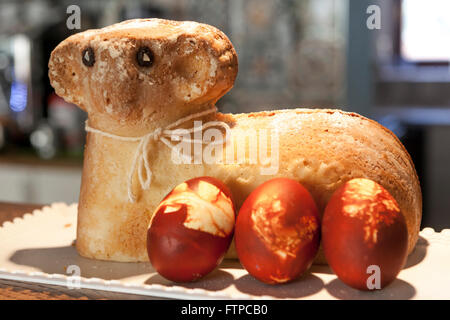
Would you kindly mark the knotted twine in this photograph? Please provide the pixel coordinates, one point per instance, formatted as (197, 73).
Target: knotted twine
(141, 160)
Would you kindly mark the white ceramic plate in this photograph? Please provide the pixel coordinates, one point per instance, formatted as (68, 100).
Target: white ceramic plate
(39, 248)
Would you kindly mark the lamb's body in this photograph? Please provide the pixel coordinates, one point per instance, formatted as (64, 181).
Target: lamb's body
(320, 148)
(194, 66)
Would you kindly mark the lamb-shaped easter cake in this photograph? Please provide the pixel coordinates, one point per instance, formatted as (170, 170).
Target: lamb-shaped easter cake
(142, 80)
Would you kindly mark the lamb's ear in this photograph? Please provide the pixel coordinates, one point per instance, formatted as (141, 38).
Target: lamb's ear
(205, 68)
(66, 71)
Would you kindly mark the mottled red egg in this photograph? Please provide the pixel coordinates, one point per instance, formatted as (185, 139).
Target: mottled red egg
(277, 231)
(364, 235)
(191, 229)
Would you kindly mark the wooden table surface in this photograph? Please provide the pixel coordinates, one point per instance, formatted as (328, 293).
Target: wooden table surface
(13, 290)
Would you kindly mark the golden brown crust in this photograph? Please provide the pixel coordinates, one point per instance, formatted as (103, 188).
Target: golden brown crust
(194, 65)
(324, 148)
(319, 148)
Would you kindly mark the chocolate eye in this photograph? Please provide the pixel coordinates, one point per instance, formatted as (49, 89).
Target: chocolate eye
(145, 57)
(88, 57)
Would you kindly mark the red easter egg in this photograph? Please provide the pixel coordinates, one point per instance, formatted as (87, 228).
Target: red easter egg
(364, 235)
(277, 231)
(191, 229)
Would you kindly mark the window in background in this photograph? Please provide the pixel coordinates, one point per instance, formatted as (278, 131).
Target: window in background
(425, 31)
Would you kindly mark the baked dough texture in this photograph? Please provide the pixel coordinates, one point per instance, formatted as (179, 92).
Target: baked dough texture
(194, 65)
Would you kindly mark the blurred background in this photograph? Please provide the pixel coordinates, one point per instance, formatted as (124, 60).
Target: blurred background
(292, 53)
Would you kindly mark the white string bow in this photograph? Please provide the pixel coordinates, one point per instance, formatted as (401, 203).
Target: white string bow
(165, 135)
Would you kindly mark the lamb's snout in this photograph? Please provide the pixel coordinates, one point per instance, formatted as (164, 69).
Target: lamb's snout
(120, 74)
(143, 71)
